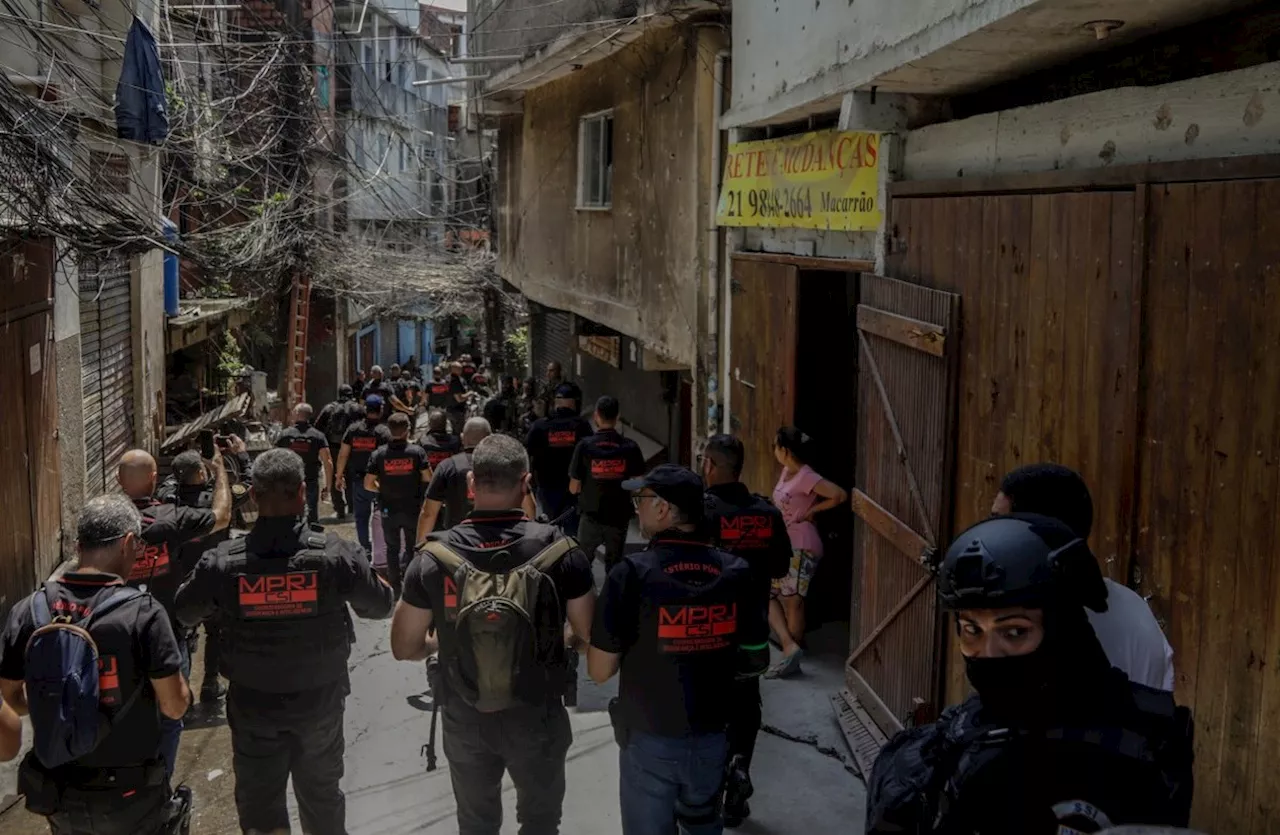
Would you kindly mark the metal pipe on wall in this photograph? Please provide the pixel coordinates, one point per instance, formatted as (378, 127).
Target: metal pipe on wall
(714, 296)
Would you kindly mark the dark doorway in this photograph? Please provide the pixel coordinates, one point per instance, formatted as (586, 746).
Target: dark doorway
(826, 402)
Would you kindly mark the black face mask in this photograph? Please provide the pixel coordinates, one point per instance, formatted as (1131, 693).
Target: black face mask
(1013, 686)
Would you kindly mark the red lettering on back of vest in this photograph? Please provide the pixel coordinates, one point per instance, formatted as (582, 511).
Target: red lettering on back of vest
(295, 594)
(608, 469)
(300, 446)
(108, 680)
(746, 532)
(697, 628)
(397, 466)
(437, 457)
(561, 438)
(364, 443)
(154, 562)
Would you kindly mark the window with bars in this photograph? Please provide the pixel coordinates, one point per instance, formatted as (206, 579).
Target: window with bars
(595, 161)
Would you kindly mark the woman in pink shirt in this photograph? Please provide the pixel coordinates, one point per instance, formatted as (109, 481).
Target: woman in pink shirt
(800, 494)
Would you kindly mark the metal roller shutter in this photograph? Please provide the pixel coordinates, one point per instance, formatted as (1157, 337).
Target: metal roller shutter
(106, 356)
(551, 332)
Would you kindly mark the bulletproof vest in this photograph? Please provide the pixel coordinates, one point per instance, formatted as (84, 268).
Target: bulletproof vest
(303, 446)
(563, 434)
(157, 567)
(400, 480)
(954, 776)
(286, 626)
(534, 686)
(339, 418)
(694, 624)
(438, 394)
(460, 498)
(440, 448)
(745, 529)
(364, 440)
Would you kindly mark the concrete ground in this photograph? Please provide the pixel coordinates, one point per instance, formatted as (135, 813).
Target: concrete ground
(798, 788)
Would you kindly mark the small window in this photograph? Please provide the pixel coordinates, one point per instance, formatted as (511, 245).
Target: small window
(595, 161)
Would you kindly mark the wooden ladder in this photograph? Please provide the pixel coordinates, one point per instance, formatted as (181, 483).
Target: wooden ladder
(299, 314)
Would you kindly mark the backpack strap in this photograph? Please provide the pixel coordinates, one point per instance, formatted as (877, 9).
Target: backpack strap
(122, 595)
(40, 613)
(233, 547)
(448, 559)
(553, 553)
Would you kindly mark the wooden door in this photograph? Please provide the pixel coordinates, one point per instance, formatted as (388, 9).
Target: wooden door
(762, 362)
(906, 402)
(17, 538)
(43, 471)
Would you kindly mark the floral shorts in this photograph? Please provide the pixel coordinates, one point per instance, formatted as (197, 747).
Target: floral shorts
(803, 565)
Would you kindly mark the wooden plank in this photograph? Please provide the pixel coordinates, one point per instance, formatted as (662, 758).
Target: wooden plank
(922, 336)
(890, 527)
(803, 262)
(16, 535)
(924, 582)
(1263, 787)
(44, 472)
(1117, 177)
(864, 737)
(875, 707)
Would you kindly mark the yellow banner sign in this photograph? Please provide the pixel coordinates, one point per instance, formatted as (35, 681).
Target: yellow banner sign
(826, 180)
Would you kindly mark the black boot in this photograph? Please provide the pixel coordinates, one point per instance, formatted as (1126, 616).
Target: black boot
(737, 789)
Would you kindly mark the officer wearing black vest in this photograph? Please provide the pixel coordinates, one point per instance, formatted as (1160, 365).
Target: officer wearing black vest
(166, 531)
(1054, 739)
(313, 448)
(551, 442)
(281, 596)
(450, 489)
(362, 438)
(120, 786)
(333, 421)
(438, 441)
(748, 526)
(683, 621)
(503, 675)
(398, 472)
(600, 464)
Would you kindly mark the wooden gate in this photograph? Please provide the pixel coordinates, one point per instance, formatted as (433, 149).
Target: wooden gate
(906, 402)
(762, 362)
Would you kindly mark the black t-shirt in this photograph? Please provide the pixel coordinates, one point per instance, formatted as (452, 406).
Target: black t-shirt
(399, 467)
(602, 462)
(440, 447)
(551, 443)
(449, 486)
(493, 540)
(677, 613)
(307, 441)
(383, 389)
(456, 386)
(135, 642)
(166, 531)
(364, 436)
(748, 526)
(438, 394)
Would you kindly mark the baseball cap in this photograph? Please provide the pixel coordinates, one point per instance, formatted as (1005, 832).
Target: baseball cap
(373, 401)
(678, 485)
(568, 391)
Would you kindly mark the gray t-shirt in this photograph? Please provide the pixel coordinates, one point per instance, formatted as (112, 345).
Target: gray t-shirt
(1132, 638)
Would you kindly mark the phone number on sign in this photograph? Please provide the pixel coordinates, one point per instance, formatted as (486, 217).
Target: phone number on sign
(790, 202)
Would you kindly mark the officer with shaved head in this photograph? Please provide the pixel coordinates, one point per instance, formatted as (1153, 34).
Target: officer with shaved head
(166, 528)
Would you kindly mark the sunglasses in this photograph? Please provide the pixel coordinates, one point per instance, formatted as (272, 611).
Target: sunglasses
(635, 500)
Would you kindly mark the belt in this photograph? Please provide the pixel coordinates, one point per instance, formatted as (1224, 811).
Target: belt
(123, 777)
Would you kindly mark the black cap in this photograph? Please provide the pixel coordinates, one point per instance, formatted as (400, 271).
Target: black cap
(678, 485)
(568, 391)
(1020, 560)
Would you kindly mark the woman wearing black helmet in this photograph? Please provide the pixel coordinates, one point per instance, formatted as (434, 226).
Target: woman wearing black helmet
(1054, 740)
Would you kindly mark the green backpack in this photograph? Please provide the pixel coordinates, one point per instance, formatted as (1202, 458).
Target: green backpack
(508, 628)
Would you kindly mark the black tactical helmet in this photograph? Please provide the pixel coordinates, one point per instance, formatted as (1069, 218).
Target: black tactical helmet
(1020, 560)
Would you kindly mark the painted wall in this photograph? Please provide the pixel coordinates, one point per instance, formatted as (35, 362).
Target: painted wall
(783, 57)
(638, 267)
(1228, 114)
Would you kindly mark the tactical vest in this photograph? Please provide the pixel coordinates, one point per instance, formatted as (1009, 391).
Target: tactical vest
(363, 441)
(696, 624)
(400, 484)
(439, 448)
(461, 499)
(286, 626)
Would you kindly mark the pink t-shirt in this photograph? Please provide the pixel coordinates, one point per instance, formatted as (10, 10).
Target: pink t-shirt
(794, 497)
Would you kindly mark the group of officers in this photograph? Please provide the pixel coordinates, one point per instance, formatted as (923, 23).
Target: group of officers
(1055, 739)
